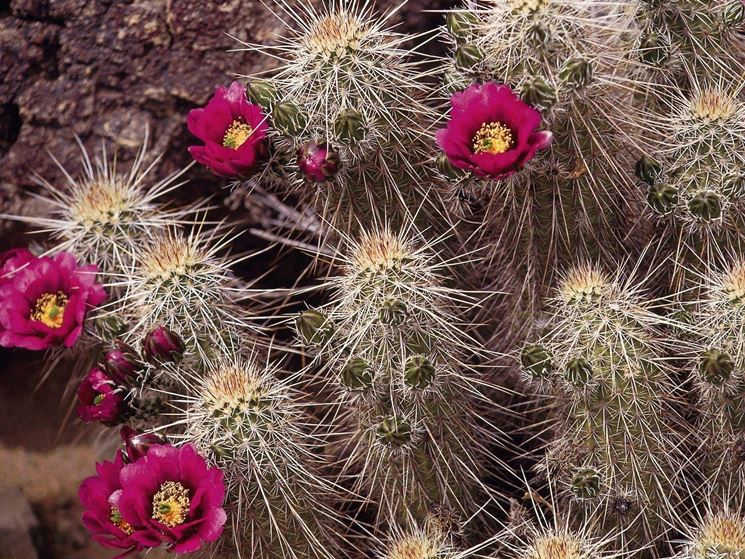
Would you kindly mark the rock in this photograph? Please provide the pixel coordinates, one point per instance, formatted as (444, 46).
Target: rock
(18, 526)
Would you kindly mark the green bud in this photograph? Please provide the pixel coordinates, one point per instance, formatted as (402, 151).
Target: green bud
(539, 93)
(467, 56)
(536, 361)
(715, 366)
(288, 119)
(706, 205)
(419, 372)
(537, 36)
(349, 126)
(579, 371)
(662, 197)
(576, 72)
(262, 92)
(734, 13)
(357, 374)
(394, 432)
(648, 170)
(393, 312)
(734, 185)
(460, 24)
(654, 49)
(446, 168)
(314, 327)
(586, 483)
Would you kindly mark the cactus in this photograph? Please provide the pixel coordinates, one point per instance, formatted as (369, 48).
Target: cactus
(696, 183)
(181, 281)
(617, 449)
(683, 38)
(391, 346)
(346, 98)
(718, 348)
(104, 215)
(249, 423)
(566, 59)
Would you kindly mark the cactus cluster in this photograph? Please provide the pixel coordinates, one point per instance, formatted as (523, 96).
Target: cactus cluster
(525, 282)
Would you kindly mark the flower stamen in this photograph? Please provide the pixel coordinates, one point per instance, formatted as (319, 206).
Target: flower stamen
(171, 504)
(50, 309)
(119, 522)
(237, 134)
(493, 138)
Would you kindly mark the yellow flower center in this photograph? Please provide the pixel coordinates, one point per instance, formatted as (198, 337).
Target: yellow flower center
(237, 134)
(117, 520)
(492, 137)
(50, 309)
(171, 504)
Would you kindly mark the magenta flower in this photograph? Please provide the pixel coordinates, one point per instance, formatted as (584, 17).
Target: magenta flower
(99, 399)
(12, 260)
(161, 345)
(44, 301)
(491, 131)
(99, 496)
(233, 131)
(171, 496)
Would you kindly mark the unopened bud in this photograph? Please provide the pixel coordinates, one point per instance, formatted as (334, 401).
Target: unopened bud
(349, 126)
(419, 372)
(586, 483)
(394, 432)
(706, 205)
(314, 327)
(461, 24)
(357, 374)
(161, 345)
(539, 93)
(536, 361)
(393, 312)
(579, 371)
(262, 92)
(576, 72)
(662, 197)
(648, 170)
(467, 56)
(715, 366)
(287, 118)
(318, 161)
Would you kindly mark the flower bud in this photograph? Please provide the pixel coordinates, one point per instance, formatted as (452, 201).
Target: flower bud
(579, 371)
(539, 93)
(715, 367)
(706, 205)
(419, 372)
(137, 444)
(621, 505)
(537, 35)
(654, 49)
(467, 56)
(648, 170)
(393, 312)
(461, 24)
(734, 13)
(349, 126)
(99, 399)
(357, 374)
(662, 197)
(314, 327)
(576, 72)
(261, 92)
(536, 361)
(446, 168)
(122, 363)
(287, 118)
(161, 345)
(586, 484)
(318, 161)
(394, 432)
